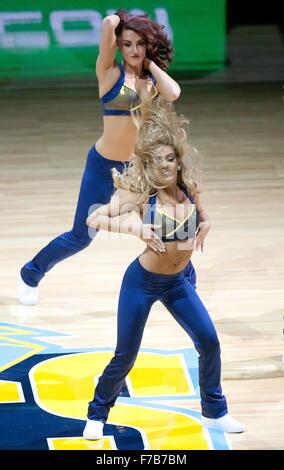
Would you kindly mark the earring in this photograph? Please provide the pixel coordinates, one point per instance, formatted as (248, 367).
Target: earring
(178, 167)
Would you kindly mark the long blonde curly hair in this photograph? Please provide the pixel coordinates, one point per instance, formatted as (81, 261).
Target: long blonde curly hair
(160, 125)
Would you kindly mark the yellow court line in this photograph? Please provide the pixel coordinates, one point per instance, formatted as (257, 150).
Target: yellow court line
(36, 348)
(14, 331)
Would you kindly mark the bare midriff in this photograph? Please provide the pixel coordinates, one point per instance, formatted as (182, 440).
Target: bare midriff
(118, 139)
(173, 260)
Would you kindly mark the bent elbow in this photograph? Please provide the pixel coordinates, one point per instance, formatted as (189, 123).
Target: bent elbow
(110, 21)
(176, 93)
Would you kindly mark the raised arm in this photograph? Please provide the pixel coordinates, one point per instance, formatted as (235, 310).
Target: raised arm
(166, 85)
(107, 50)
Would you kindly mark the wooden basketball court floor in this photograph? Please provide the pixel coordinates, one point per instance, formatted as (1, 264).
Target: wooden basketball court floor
(45, 136)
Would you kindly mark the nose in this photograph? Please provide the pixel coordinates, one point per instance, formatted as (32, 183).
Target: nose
(134, 49)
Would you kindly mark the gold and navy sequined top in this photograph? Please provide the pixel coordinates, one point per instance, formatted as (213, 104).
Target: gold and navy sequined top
(172, 229)
(121, 100)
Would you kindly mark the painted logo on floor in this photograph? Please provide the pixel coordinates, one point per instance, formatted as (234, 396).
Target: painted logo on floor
(45, 390)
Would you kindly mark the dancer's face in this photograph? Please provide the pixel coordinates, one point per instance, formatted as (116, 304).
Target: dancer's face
(166, 164)
(133, 47)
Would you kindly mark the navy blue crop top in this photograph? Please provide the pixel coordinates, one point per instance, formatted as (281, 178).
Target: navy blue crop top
(120, 100)
(172, 229)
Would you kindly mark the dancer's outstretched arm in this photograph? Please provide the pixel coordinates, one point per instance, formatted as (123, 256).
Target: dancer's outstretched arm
(117, 216)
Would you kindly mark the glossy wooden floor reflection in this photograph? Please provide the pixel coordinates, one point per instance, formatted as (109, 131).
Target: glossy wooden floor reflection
(45, 136)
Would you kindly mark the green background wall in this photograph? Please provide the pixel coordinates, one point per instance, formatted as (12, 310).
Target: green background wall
(59, 38)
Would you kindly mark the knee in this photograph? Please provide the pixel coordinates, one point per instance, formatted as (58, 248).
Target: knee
(84, 242)
(79, 241)
(209, 343)
(125, 359)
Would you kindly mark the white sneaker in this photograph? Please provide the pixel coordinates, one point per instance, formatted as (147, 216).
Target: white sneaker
(93, 430)
(26, 295)
(225, 423)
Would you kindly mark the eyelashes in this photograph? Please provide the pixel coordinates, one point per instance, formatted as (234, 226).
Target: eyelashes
(139, 44)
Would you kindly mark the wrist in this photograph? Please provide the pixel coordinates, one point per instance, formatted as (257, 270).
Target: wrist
(113, 19)
(151, 65)
(146, 63)
(137, 231)
(204, 220)
(206, 224)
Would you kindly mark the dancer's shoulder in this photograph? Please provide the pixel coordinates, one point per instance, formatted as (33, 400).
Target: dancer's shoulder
(127, 196)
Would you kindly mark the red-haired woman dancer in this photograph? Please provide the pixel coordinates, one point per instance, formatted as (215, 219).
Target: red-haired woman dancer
(146, 53)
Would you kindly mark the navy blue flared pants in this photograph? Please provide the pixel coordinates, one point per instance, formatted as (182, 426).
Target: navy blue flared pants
(140, 289)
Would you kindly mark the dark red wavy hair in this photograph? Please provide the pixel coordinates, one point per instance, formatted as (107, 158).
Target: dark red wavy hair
(158, 46)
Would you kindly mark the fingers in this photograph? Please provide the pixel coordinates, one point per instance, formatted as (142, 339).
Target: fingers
(92, 222)
(89, 221)
(91, 218)
(199, 243)
(152, 246)
(158, 242)
(152, 239)
(157, 245)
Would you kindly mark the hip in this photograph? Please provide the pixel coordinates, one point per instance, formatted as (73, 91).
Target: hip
(139, 278)
(97, 162)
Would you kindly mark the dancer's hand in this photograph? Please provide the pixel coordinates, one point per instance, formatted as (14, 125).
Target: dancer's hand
(149, 236)
(122, 14)
(146, 63)
(93, 219)
(202, 230)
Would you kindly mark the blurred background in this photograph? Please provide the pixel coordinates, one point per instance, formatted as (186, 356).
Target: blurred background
(47, 41)
(229, 61)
